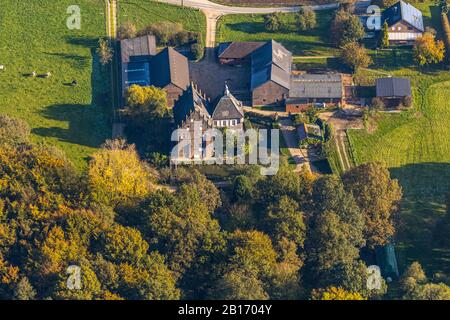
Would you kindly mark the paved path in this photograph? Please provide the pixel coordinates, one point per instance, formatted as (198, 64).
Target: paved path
(291, 139)
(213, 12)
(222, 9)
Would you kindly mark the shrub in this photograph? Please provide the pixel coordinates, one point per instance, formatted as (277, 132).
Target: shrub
(127, 30)
(377, 104)
(407, 101)
(306, 18)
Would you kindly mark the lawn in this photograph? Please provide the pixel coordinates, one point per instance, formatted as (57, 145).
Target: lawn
(249, 27)
(144, 13)
(34, 37)
(415, 146)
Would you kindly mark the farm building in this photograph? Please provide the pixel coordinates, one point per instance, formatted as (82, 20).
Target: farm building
(135, 57)
(405, 23)
(193, 111)
(169, 70)
(393, 90)
(142, 65)
(307, 89)
(237, 53)
(270, 74)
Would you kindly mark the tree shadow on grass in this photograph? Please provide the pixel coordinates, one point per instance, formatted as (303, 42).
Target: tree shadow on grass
(79, 62)
(82, 41)
(423, 205)
(88, 124)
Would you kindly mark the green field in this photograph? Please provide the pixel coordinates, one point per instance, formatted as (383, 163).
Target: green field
(247, 27)
(34, 37)
(415, 145)
(145, 12)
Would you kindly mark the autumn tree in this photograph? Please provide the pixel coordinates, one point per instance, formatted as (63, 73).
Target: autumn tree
(377, 196)
(427, 50)
(355, 56)
(127, 30)
(105, 51)
(13, 131)
(117, 177)
(144, 103)
(306, 18)
(333, 293)
(415, 285)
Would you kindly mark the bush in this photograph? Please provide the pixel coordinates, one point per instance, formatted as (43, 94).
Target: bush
(306, 18)
(127, 30)
(197, 50)
(407, 101)
(377, 104)
(13, 130)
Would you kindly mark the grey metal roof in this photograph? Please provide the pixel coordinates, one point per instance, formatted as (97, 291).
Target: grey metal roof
(169, 66)
(271, 62)
(316, 86)
(238, 50)
(393, 87)
(190, 101)
(228, 107)
(140, 46)
(403, 11)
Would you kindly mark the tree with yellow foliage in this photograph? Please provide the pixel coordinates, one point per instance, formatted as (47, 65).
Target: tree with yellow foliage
(145, 102)
(333, 293)
(117, 177)
(427, 50)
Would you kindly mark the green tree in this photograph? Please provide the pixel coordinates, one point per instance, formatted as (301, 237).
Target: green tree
(306, 18)
(377, 196)
(355, 56)
(236, 285)
(242, 188)
(272, 22)
(385, 35)
(285, 220)
(346, 28)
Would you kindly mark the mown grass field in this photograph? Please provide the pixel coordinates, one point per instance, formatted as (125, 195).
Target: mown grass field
(145, 12)
(34, 37)
(247, 27)
(415, 145)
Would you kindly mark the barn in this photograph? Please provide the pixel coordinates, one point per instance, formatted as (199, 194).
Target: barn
(270, 74)
(307, 89)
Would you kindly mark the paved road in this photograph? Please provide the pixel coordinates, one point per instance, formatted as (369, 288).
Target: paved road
(208, 5)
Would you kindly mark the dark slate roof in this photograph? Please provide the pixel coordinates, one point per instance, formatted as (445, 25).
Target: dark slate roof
(228, 107)
(316, 86)
(237, 50)
(190, 101)
(393, 87)
(301, 131)
(169, 67)
(137, 47)
(271, 62)
(402, 11)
